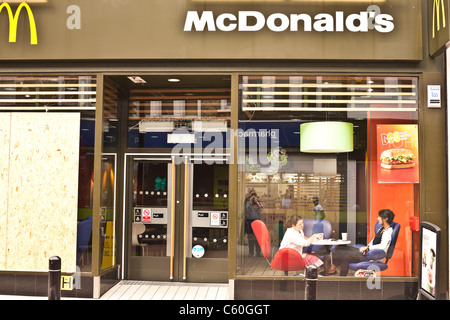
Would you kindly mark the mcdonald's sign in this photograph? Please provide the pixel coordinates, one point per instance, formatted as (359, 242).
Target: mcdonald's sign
(439, 33)
(438, 14)
(14, 19)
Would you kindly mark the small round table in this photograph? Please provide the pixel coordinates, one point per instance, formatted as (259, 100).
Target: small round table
(328, 243)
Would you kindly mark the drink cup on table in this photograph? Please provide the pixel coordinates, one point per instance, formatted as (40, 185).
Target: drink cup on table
(344, 236)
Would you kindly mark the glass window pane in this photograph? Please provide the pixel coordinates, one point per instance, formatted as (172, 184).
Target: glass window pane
(159, 107)
(48, 92)
(210, 197)
(108, 211)
(150, 191)
(334, 193)
(85, 191)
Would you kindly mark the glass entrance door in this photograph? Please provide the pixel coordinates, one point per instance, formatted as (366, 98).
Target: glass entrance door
(177, 218)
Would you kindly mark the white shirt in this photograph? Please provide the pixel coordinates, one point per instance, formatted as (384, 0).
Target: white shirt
(294, 239)
(317, 209)
(386, 238)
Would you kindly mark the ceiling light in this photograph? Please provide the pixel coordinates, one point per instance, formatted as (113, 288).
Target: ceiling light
(326, 137)
(137, 79)
(173, 80)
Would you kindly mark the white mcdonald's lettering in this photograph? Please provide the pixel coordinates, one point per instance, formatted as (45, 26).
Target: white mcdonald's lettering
(14, 19)
(437, 5)
(278, 22)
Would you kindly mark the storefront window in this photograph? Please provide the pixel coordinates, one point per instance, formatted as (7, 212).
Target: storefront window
(109, 172)
(60, 95)
(85, 191)
(336, 192)
(48, 93)
(162, 105)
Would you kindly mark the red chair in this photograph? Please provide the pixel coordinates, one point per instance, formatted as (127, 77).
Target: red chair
(286, 259)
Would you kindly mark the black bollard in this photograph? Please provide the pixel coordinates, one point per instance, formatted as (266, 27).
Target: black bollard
(54, 278)
(311, 282)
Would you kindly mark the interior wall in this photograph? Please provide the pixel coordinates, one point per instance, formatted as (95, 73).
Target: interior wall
(398, 197)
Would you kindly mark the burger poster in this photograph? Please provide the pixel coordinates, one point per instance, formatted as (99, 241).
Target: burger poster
(397, 153)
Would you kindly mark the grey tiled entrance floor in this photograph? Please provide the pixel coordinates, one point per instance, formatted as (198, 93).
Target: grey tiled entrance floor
(149, 290)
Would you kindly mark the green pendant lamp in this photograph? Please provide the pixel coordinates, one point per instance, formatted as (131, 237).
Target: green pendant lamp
(326, 137)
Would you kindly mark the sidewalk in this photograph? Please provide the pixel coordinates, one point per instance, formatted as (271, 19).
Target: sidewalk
(148, 290)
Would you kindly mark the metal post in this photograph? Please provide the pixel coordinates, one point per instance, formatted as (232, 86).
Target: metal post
(54, 278)
(311, 282)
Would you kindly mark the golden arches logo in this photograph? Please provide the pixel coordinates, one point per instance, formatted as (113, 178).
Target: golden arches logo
(14, 19)
(437, 6)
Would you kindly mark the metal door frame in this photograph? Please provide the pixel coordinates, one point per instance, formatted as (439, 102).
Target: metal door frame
(166, 157)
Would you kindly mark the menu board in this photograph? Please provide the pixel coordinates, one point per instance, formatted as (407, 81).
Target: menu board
(429, 260)
(397, 153)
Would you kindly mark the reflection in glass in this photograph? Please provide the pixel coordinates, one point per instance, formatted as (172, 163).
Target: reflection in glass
(157, 109)
(210, 189)
(108, 212)
(210, 197)
(150, 184)
(85, 191)
(346, 184)
(149, 191)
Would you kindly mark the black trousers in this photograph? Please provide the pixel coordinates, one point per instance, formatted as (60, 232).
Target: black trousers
(253, 245)
(344, 255)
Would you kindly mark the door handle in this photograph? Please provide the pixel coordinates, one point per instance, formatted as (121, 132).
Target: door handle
(186, 193)
(172, 219)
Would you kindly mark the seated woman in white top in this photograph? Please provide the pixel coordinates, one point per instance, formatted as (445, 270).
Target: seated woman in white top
(294, 238)
(343, 256)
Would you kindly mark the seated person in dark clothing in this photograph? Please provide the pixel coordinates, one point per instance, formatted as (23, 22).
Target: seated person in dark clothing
(344, 255)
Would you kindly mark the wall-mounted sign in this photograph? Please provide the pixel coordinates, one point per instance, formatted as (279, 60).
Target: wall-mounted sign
(397, 154)
(67, 283)
(434, 96)
(339, 30)
(14, 20)
(180, 138)
(279, 22)
(438, 25)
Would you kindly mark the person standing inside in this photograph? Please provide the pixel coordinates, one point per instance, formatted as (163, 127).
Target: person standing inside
(319, 213)
(253, 208)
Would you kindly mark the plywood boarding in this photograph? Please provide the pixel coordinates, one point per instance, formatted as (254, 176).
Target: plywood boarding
(5, 125)
(43, 190)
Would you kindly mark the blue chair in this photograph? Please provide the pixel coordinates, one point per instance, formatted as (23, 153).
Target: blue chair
(312, 226)
(375, 256)
(84, 230)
